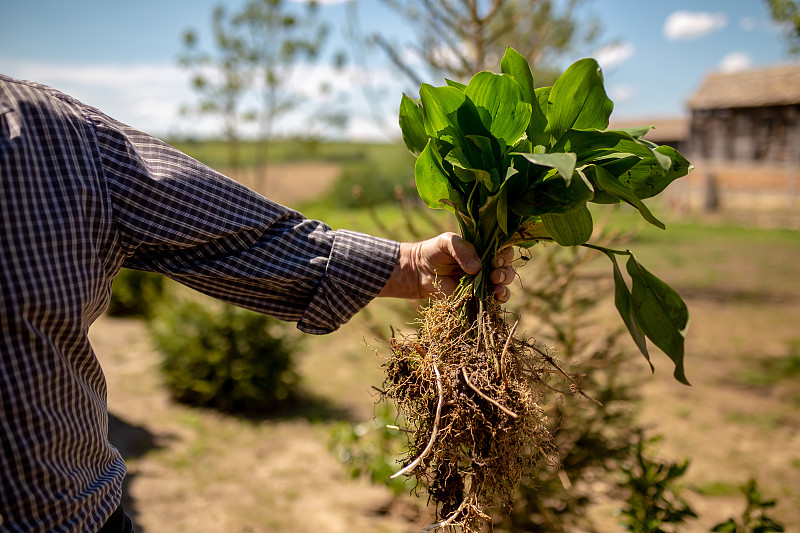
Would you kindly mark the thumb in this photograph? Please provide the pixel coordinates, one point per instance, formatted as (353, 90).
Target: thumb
(462, 251)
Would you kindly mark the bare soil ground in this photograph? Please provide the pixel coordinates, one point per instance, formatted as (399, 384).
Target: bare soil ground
(195, 470)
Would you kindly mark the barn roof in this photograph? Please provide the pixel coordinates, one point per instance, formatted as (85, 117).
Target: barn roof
(779, 85)
(665, 129)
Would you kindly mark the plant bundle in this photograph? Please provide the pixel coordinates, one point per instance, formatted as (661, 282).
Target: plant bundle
(516, 166)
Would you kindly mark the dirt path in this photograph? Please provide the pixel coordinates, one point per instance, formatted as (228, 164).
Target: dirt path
(290, 183)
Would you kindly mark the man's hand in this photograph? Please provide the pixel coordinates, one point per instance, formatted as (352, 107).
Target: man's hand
(442, 261)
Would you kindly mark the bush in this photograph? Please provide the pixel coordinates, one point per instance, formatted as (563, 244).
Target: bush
(224, 357)
(654, 503)
(371, 449)
(135, 293)
(370, 184)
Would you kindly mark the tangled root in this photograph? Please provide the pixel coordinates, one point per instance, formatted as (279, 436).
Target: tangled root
(469, 391)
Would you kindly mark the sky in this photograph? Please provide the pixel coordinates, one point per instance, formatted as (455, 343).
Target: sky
(121, 57)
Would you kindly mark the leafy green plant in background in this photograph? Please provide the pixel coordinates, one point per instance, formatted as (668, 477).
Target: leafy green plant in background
(369, 183)
(220, 356)
(654, 500)
(370, 449)
(136, 293)
(754, 519)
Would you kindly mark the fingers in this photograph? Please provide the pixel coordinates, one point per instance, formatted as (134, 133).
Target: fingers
(461, 250)
(504, 257)
(463, 254)
(502, 293)
(502, 275)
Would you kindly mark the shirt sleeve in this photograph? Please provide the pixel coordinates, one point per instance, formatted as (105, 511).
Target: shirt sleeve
(176, 216)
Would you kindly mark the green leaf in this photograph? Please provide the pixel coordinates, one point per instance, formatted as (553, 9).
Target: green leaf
(433, 184)
(450, 116)
(499, 101)
(647, 178)
(571, 228)
(660, 312)
(578, 99)
(564, 163)
(502, 199)
(516, 66)
(412, 125)
(624, 304)
(457, 84)
(610, 184)
(658, 166)
(591, 143)
(726, 527)
(552, 196)
(488, 147)
(471, 175)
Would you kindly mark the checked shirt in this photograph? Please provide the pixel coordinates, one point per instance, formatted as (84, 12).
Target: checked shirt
(81, 196)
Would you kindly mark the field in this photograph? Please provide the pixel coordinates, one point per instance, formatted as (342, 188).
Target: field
(196, 470)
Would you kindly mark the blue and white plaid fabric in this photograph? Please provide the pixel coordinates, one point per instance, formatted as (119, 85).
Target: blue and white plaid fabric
(82, 195)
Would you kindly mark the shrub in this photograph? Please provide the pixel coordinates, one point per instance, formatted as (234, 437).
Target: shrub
(370, 184)
(654, 500)
(754, 518)
(224, 357)
(135, 293)
(371, 449)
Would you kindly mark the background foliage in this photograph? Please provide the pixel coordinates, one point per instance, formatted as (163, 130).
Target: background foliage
(221, 356)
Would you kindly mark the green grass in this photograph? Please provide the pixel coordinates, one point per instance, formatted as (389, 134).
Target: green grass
(215, 154)
(717, 488)
(765, 421)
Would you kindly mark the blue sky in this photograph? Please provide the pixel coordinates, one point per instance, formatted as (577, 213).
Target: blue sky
(121, 56)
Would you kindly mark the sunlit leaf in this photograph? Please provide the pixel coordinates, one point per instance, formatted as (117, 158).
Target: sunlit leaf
(516, 66)
(498, 99)
(450, 116)
(578, 99)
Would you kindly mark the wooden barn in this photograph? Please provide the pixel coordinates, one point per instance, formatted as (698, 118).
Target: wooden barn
(751, 116)
(744, 140)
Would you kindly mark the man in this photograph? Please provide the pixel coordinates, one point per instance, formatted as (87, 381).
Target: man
(81, 196)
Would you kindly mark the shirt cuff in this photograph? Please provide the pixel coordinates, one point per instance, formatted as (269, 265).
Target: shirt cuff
(358, 268)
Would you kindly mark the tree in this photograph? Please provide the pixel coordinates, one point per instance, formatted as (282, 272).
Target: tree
(457, 38)
(274, 41)
(220, 79)
(787, 13)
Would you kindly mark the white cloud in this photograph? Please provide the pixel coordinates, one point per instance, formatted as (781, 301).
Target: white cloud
(621, 92)
(146, 96)
(363, 128)
(685, 25)
(150, 96)
(613, 55)
(735, 62)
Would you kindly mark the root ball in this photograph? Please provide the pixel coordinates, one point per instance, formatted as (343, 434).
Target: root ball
(469, 390)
